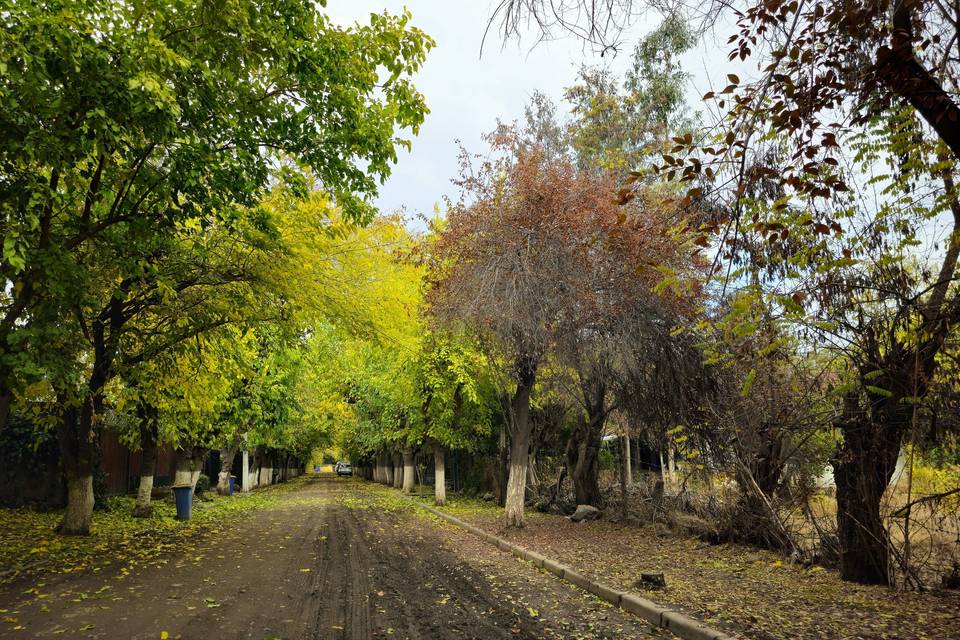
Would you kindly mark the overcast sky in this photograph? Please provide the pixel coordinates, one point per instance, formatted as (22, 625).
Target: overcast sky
(466, 93)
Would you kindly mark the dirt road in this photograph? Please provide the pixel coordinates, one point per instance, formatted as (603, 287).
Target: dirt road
(337, 558)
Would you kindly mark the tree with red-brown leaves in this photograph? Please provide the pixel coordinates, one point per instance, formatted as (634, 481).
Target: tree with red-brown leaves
(539, 261)
(507, 257)
(639, 282)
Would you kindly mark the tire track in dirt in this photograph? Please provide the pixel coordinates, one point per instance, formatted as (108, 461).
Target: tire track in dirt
(279, 583)
(467, 608)
(344, 593)
(359, 623)
(384, 578)
(428, 580)
(419, 589)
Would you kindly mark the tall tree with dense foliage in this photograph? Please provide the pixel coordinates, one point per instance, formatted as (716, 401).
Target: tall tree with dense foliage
(788, 186)
(622, 125)
(121, 123)
(536, 254)
(458, 399)
(638, 284)
(504, 278)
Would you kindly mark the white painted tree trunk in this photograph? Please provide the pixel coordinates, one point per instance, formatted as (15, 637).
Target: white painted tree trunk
(519, 447)
(672, 465)
(188, 468)
(245, 471)
(440, 476)
(79, 514)
(397, 470)
(517, 479)
(627, 461)
(143, 507)
(183, 474)
(409, 473)
(227, 455)
(148, 465)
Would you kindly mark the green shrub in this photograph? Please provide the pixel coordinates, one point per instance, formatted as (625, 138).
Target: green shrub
(203, 484)
(606, 460)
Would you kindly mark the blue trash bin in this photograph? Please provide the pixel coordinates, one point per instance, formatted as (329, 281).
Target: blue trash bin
(233, 485)
(183, 495)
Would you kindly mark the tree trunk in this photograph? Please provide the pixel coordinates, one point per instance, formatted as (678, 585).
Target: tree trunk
(397, 470)
(143, 508)
(503, 465)
(77, 433)
(148, 466)
(898, 68)
(196, 462)
(583, 448)
(227, 455)
(79, 514)
(533, 482)
(624, 472)
(864, 546)
(556, 487)
(759, 476)
(440, 476)
(672, 463)
(517, 478)
(388, 468)
(189, 461)
(586, 470)
(627, 461)
(409, 473)
(76, 437)
(245, 467)
(862, 468)
(519, 442)
(763, 457)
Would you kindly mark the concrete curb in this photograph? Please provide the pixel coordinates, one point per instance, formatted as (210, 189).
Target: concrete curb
(675, 622)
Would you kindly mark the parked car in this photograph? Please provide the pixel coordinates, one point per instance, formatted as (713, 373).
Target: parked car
(344, 469)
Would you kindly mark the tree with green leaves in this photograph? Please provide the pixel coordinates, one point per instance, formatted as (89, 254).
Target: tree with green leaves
(193, 283)
(122, 124)
(620, 124)
(458, 399)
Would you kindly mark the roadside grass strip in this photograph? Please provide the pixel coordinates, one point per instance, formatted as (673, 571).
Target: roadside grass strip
(29, 547)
